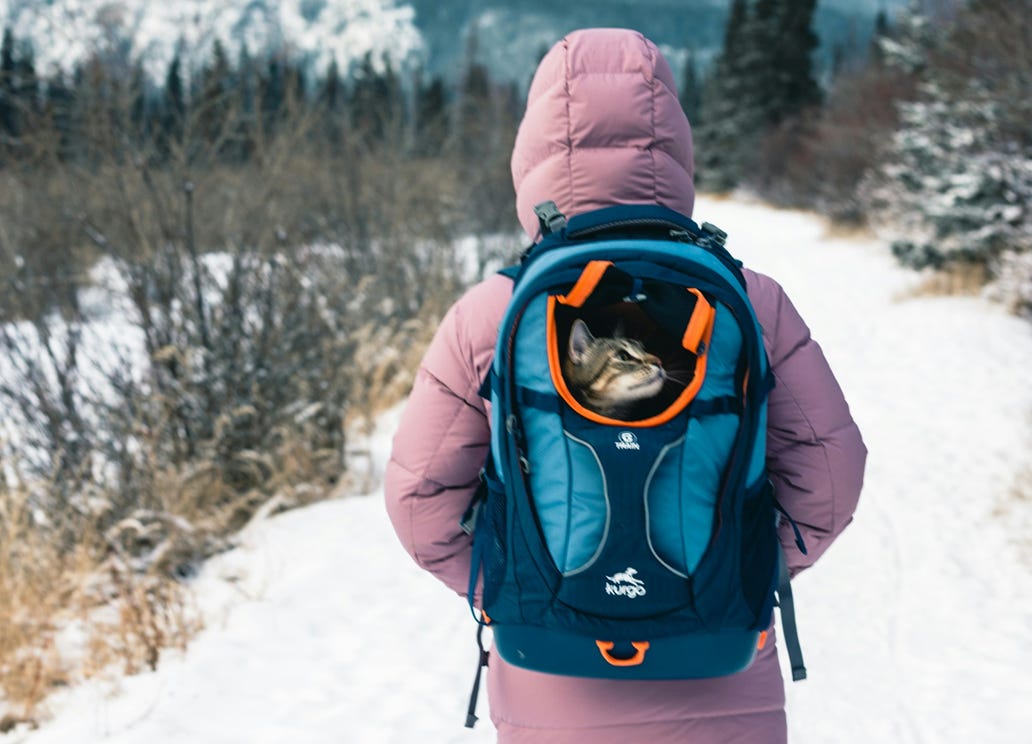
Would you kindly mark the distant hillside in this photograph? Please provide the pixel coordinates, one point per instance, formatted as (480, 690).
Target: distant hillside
(510, 34)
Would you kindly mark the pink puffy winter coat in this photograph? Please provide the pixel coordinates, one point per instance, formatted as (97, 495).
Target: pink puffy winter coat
(603, 126)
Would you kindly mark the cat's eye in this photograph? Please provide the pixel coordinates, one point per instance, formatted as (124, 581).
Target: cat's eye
(623, 356)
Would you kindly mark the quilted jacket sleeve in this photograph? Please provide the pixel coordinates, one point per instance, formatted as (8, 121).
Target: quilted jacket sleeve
(815, 454)
(443, 437)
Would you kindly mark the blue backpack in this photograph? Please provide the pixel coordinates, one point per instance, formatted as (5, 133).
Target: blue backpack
(629, 549)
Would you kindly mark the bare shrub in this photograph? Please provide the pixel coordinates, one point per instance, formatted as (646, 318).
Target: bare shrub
(818, 159)
(271, 291)
(204, 291)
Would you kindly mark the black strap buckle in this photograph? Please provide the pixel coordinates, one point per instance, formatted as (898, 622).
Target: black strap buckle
(549, 217)
(714, 233)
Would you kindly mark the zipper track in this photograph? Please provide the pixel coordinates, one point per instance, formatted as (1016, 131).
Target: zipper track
(633, 222)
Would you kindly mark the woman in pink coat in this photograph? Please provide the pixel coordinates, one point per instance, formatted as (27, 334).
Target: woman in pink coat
(603, 126)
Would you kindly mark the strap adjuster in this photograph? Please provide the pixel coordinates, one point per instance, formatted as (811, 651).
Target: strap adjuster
(714, 233)
(549, 217)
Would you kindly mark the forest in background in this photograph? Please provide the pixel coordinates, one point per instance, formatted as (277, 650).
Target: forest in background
(925, 140)
(284, 246)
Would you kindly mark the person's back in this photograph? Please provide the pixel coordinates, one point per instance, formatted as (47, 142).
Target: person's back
(603, 127)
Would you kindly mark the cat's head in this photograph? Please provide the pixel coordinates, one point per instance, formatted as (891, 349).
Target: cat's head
(607, 374)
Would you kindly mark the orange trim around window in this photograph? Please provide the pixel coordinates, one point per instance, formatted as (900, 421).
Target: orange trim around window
(589, 279)
(555, 367)
(701, 323)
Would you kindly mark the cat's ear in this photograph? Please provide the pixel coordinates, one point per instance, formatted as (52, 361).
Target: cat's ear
(580, 340)
(620, 331)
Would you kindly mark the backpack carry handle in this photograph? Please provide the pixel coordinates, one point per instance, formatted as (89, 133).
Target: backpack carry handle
(651, 221)
(606, 647)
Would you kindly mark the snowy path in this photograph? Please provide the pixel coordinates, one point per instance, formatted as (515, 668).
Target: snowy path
(915, 625)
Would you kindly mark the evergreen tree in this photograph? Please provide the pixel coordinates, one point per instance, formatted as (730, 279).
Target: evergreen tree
(331, 92)
(473, 107)
(793, 59)
(272, 90)
(762, 77)
(214, 97)
(27, 83)
(474, 120)
(295, 85)
(8, 109)
(882, 32)
(139, 110)
(691, 91)
(955, 194)
(957, 179)
(173, 106)
(735, 31)
(481, 138)
(376, 105)
(730, 112)
(331, 100)
(247, 92)
(431, 116)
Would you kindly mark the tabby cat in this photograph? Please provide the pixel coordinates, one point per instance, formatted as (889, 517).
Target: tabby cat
(612, 376)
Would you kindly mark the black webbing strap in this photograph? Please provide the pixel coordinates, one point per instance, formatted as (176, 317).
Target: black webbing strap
(487, 384)
(715, 406)
(788, 619)
(471, 712)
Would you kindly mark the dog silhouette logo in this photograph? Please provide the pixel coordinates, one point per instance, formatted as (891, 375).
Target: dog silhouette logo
(625, 584)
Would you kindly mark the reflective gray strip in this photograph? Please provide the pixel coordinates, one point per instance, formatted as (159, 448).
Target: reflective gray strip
(609, 510)
(645, 496)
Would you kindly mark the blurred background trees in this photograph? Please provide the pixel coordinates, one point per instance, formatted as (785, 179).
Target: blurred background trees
(207, 285)
(925, 136)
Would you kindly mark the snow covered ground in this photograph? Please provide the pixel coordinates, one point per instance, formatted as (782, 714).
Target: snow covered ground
(915, 625)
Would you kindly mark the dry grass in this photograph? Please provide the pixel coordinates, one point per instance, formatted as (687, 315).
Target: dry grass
(847, 230)
(111, 604)
(957, 280)
(1022, 502)
(67, 615)
(1016, 510)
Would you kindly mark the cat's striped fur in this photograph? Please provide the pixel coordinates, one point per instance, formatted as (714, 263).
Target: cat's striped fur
(610, 375)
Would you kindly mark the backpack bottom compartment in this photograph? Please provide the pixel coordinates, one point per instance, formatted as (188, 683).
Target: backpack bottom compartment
(692, 656)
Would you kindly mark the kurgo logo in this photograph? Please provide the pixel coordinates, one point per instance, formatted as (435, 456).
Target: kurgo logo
(627, 441)
(625, 584)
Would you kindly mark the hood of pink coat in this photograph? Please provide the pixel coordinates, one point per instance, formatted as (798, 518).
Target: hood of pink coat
(603, 126)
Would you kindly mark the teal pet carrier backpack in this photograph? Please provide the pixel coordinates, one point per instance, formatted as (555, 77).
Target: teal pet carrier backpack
(631, 549)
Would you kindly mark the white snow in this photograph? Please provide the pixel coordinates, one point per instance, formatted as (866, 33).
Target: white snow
(915, 625)
(66, 32)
